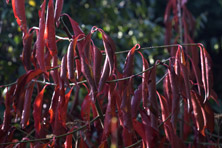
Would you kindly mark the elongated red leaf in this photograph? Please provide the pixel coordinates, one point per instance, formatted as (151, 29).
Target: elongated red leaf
(175, 94)
(19, 13)
(110, 114)
(27, 106)
(128, 67)
(151, 134)
(165, 114)
(97, 60)
(70, 61)
(85, 108)
(110, 49)
(50, 29)
(85, 65)
(54, 103)
(145, 78)
(126, 107)
(135, 101)
(58, 9)
(104, 75)
(7, 113)
(40, 44)
(63, 72)
(197, 111)
(37, 110)
(68, 142)
(20, 88)
(152, 104)
(27, 50)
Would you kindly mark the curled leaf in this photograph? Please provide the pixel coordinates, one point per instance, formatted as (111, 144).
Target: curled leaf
(27, 51)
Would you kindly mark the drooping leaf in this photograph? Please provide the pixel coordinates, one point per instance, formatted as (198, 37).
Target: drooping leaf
(50, 29)
(54, 103)
(97, 60)
(70, 60)
(175, 94)
(68, 142)
(104, 75)
(85, 108)
(58, 9)
(110, 114)
(135, 101)
(20, 88)
(152, 104)
(63, 72)
(40, 44)
(37, 110)
(27, 106)
(126, 107)
(110, 49)
(19, 13)
(199, 120)
(128, 67)
(151, 134)
(7, 113)
(26, 53)
(145, 79)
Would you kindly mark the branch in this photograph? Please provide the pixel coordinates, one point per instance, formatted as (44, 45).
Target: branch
(120, 52)
(59, 136)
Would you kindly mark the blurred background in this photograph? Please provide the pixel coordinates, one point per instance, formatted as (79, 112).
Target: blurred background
(127, 22)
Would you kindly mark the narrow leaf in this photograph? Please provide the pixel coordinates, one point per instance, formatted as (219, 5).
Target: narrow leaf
(40, 39)
(27, 50)
(58, 9)
(37, 110)
(19, 13)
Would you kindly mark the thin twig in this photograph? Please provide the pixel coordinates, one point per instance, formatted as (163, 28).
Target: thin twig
(59, 136)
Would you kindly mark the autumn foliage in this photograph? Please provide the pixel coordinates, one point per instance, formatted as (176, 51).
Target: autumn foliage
(115, 112)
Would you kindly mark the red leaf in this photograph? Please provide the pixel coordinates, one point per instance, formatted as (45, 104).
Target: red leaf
(63, 72)
(19, 13)
(97, 61)
(85, 108)
(20, 88)
(139, 128)
(129, 63)
(126, 107)
(175, 95)
(110, 48)
(145, 78)
(26, 53)
(70, 60)
(151, 134)
(7, 113)
(135, 101)
(54, 103)
(152, 104)
(58, 9)
(37, 110)
(27, 106)
(68, 142)
(40, 39)
(165, 114)
(104, 75)
(197, 112)
(110, 114)
(50, 29)
(85, 65)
